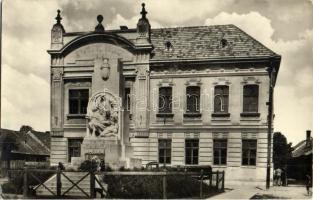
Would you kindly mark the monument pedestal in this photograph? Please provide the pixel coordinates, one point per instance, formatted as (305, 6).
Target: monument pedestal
(108, 148)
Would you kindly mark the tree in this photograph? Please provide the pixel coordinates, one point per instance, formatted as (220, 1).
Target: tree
(281, 150)
(25, 129)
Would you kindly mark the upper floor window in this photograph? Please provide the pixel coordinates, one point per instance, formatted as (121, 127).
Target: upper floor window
(192, 151)
(250, 98)
(165, 100)
(193, 99)
(220, 151)
(165, 148)
(78, 101)
(249, 149)
(221, 93)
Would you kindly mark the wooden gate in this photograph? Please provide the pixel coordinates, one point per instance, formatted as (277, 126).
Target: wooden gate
(29, 174)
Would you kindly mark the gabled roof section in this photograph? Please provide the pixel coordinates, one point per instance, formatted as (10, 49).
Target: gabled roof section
(302, 148)
(25, 143)
(205, 42)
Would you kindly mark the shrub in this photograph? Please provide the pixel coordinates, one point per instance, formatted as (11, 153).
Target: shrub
(144, 187)
(9, 188)
(88, 165)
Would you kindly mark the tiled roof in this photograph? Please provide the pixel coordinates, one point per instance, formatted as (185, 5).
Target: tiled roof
(205, 42)
(24, 143)
(302, 148)
(44, 137)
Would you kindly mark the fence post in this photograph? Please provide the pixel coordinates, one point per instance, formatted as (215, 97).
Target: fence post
(25, 183)
(59, 184)
(217, 177)
(164, 185)
(92, 184)
(201, 184)
(211, 177)
(223, 180)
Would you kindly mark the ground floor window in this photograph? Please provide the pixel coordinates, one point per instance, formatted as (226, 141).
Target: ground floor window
(249, 149)
(192, 151)
(220, 151)
(74, 148)
(165, 148)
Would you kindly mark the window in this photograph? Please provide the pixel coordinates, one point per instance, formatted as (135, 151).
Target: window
(250, 98)
(249, 148)
(165, 100)
(221, 93)
(127, 99)
(165, 148)
(78, 101)
(192, 151)
(193, 99)
(220, 151)
(74, 148)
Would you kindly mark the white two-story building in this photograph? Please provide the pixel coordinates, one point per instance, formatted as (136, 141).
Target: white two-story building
(189, 95)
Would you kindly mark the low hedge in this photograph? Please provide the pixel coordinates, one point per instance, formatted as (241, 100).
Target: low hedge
(151, 187)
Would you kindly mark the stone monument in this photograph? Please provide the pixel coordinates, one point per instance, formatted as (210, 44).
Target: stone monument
(104, 130)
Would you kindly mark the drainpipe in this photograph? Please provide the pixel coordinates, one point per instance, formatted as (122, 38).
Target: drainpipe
(271, 72)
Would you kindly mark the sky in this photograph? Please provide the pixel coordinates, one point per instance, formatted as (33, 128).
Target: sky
(285, 26)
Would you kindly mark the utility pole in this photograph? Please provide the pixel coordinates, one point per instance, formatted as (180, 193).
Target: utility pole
(271, 71)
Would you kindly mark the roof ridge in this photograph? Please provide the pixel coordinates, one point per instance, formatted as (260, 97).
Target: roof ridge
(199, 26)
(134, 29)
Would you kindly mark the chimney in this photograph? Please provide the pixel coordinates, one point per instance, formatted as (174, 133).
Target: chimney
(308, 137)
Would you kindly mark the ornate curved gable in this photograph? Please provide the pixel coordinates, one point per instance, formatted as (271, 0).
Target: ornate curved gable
(94, 37)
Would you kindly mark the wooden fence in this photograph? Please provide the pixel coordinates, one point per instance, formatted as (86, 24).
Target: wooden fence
(12, 164)
(213, 179)
(19, 164)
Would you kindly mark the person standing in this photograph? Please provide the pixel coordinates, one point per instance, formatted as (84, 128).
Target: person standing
(278, 173)
(308, 183)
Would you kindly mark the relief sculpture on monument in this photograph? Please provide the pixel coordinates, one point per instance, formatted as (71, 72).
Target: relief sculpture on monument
(102, 114)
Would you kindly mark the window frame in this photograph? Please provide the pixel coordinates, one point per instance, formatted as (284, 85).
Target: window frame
(69, 140)
(166, 149)
(193, 106)
(224, 98)
(220, 148)
(244, 99)
(168, 96)
(79, 100)
(249, 149)
(192, 148)
(127, 100)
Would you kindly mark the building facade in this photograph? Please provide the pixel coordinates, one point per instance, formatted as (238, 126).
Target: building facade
(188, 95)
